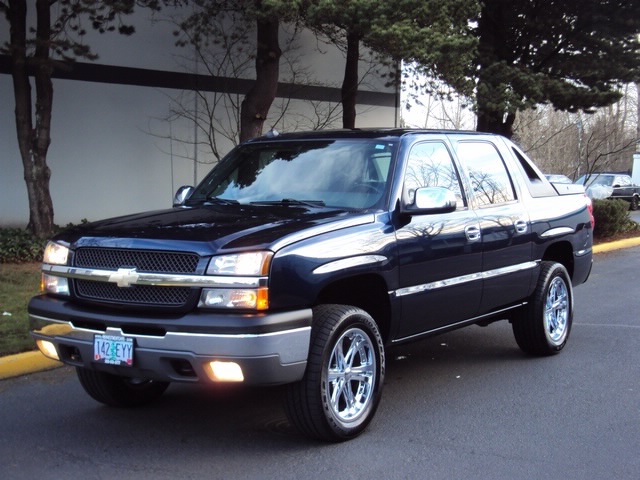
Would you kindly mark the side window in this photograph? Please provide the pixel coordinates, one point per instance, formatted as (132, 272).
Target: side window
(623, 181)
(431, 165)
(489, 177)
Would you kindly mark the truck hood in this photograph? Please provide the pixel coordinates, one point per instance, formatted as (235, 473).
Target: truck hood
(211, 228)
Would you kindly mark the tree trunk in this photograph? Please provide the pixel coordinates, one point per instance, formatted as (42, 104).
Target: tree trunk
(490, 121)
(256, 104)
(492, 104)
(33, 142)
(350, 81)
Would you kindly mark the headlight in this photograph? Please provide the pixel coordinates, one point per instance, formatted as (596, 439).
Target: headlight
(251, 263)
(55, 254)
(254, 292)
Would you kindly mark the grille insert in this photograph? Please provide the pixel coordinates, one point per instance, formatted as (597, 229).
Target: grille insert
(136, 295)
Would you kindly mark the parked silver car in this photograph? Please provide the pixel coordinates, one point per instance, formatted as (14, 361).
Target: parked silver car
(611, 185)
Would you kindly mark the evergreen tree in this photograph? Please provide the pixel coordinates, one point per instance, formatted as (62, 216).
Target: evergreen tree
(572, 54)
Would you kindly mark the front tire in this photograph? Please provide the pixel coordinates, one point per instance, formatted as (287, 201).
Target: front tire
(634, 203)
(543, 327)
(118, 391)
(342, 385)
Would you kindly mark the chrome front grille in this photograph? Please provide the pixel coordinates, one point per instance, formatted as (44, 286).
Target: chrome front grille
(151, 261)
(142, 260)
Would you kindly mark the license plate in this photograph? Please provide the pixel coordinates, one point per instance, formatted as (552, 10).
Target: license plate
(113, 350)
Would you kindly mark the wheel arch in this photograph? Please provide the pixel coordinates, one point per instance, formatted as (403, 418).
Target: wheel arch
(368, 292)
(561, 252)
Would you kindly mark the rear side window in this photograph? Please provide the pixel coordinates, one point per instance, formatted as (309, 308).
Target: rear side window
(534, 180)
(490, 180)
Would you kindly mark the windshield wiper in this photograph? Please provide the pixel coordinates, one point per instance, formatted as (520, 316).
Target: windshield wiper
(221, 201)
(292, 201)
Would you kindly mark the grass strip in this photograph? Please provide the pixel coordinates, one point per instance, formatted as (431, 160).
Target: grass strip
(18, 283)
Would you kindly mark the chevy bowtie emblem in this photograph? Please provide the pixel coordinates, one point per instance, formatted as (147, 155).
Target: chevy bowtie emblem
(124, 277)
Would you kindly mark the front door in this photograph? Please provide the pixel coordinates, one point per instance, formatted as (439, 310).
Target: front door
(440, 255)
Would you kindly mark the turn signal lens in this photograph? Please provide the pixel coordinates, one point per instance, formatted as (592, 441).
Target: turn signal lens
(53, 284)
(252, 299)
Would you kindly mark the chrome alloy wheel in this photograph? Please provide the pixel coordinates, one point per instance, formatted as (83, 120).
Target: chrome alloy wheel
(556, 311)
(341, 389)
(351, 375)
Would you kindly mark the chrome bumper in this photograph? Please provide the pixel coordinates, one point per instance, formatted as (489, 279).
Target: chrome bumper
(274, 357)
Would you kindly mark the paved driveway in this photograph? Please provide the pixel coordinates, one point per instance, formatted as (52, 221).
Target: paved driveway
(463, 405)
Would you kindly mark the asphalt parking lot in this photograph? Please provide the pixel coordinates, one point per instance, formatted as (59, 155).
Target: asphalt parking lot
(467, 404)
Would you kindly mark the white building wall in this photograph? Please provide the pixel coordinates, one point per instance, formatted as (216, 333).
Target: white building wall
(110, 153)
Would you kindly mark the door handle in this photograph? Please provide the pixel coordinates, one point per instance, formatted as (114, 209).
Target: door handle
(472, 232)
(521, 226)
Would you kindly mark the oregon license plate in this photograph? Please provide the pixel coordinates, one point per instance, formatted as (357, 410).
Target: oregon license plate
(113, 350)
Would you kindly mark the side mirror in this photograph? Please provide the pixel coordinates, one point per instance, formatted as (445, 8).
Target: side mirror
(182, 195)
(431, 200)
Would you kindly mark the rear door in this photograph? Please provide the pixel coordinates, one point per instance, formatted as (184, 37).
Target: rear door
(504, 224)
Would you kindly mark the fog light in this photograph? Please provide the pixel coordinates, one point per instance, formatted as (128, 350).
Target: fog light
(225, 372)
(48, 349)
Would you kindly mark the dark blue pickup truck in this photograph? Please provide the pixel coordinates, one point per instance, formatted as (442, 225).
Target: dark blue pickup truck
(301, 257)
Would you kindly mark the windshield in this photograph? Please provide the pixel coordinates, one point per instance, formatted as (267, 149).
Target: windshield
(596, 179)
(350, 174)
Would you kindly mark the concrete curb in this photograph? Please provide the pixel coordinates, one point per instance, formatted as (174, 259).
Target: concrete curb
(30, 362)
(24, 363)
(616, 245)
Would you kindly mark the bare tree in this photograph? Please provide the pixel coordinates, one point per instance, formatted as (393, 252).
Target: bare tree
(431, 104)
(228, 54)
(36, 51)
(224, 51)
(577, 143)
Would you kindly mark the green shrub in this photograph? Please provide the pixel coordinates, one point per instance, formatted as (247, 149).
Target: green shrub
(612, 218)
(18, 246)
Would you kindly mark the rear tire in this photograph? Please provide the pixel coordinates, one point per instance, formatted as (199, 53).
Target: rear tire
(542, 328)
(342, 385)
(118, 391)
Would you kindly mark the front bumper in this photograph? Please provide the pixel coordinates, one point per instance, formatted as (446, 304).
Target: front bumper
(270, 348)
